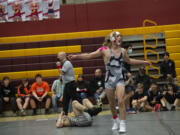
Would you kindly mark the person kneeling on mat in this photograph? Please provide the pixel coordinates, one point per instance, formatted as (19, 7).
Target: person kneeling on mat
(83, 116)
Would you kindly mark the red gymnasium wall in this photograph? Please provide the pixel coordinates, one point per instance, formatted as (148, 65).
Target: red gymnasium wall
(99, 16)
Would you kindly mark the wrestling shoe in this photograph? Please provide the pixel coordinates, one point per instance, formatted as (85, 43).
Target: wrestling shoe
(122, 127)
(115, 124)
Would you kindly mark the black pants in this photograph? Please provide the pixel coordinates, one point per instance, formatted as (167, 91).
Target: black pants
(1, 105)
(12, 101)
(68, 94)
(170, 98)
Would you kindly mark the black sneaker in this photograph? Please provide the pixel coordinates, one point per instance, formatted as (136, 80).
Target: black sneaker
(173, 108)
(90, 111)
(164, 109)
(94, 111)
(97, 110)
(47, 111)
(34, 112)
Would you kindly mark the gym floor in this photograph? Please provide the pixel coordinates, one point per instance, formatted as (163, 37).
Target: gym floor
(163, 123)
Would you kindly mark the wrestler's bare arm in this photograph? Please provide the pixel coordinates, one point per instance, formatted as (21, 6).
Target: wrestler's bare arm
(134, 61)
(85, 56)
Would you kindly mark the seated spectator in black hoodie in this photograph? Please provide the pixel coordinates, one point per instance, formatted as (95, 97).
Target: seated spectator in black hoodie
(168, 67)
(7, 93)
(23, 99)
(81, 90)
(140, 98)
(82, 87)
(154, 97)
(143, 78)
(97, 86)
(172, 96)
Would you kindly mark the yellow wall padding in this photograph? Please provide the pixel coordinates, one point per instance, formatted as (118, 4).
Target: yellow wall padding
(178, 77)
(148, 30)
(31, 74)
(39, 51)
(173, 49)
(178, 71)
(177, 63)
(88, 34)
(172, 41)
(175, 56)
(172, 34)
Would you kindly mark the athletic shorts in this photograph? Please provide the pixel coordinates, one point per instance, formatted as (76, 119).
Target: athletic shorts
(83, 120)
(22, 98)
(112, 83)
(170, 98)
(44, 99)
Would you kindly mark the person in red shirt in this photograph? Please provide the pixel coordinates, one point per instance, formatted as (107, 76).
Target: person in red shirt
(23, 99)
(40, 91)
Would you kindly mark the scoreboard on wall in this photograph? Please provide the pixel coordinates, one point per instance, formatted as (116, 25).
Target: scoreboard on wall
(28, 10)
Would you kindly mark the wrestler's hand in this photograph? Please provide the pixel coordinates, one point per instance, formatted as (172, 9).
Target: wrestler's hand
(72, 57)
(147, 63)
(58, 63)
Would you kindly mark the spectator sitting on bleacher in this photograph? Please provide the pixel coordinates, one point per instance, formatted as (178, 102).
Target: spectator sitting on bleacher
(143, 78)
(57, 93)
(81, 90)
(7, 95)
(168, 67)
(154, 97)
(23, 99)
(40, 91)
(172, 96)
(82, 87)
(129, 89)
(140, 98)
(97, 86)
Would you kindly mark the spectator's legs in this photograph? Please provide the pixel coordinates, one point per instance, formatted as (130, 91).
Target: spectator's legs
(177, 102)
(83, 95)
(13, 104)
(26, 103)
(103, 94)
(96, 95)
(147, 107)
(164, 104)
(33, 105)
(127, 99)
(70, 106)
(1, 105)
(19, 103)
(87, 103)
(135, 104)
(48, 103)
(54, 103)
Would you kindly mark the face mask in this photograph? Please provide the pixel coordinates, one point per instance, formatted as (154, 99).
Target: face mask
(130, 51)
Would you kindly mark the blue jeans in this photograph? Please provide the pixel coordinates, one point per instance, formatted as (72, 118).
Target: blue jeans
(54, 103)
(101, 95)
(55, 100)
(96, 96)
(83, 95)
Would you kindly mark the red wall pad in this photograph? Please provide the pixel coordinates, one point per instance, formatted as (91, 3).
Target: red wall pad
(99, 16)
